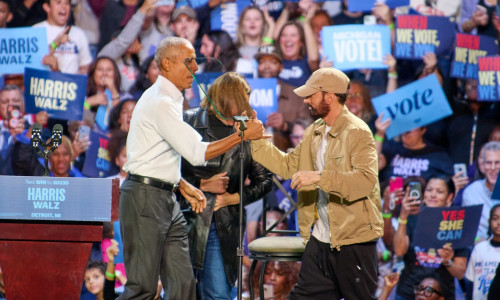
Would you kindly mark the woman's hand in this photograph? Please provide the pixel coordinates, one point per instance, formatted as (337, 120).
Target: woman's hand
(409, 206)
(97, 99)
(226, 199)
(79, 146)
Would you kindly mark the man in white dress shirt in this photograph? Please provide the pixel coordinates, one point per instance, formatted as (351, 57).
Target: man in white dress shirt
(153, 228)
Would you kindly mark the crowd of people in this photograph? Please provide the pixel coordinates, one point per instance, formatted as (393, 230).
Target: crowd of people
(118, 45)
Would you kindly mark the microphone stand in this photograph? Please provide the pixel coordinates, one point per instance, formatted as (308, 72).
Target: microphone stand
(239, 251)
(37, 143)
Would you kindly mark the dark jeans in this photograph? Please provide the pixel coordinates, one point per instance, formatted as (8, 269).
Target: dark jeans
(350, 273)
(154, 243)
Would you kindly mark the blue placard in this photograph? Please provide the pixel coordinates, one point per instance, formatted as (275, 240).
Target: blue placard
(488, 87)
(61, 95)
(226, 16)
(55, 199)
(263, 97)
(97, 161)
(417, 35)
(468, 48)
(417, 104)
(22, 47)
(367, 5)
(356, 46)
(437, 226)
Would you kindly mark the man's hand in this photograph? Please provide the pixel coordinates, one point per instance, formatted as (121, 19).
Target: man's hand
(193, 196)
(226, 199)
(216, 184)
(276, 121)
(255, 129)
(51, 61)
(304, 178)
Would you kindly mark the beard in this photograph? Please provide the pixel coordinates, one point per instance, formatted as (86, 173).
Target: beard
(321, 111)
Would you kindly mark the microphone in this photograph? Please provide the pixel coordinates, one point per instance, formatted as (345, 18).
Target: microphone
(242, 120)
(56, 138)
(36, 135)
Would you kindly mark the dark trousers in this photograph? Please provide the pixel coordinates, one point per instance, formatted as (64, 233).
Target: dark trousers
(350, 273)
(154, 243)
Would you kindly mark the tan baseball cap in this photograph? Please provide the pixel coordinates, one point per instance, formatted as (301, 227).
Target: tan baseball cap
(326, 80)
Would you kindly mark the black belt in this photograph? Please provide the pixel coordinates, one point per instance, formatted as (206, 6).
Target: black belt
(153, 182)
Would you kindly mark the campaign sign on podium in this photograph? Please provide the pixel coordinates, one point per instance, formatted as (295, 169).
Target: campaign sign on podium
(56, 199)
(47, 228)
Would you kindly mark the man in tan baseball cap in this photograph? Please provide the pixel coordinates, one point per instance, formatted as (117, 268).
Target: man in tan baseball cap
(335, 169)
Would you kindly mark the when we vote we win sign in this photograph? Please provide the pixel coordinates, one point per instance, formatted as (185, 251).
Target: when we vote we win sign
(417, 35)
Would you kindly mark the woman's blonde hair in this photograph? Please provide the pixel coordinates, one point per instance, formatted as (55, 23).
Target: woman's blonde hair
(228, 90)
(240, 37)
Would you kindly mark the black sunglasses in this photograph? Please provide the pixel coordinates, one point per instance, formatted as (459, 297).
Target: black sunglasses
(428, 291)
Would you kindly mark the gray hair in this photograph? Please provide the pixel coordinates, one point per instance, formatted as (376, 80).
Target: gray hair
(490, 146)
(13, 87)
(165, 50)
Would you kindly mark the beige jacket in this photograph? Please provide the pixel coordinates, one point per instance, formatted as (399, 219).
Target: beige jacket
(350, 176)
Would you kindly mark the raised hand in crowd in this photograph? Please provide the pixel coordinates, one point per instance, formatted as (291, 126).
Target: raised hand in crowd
(276, 121)
(430, 61)
(147, 6)
(390, 281)
(383, 14)
(79, 145)
(410, 205)
(381, 128)
(460, 181)
(216, 184)
(392, 82)
(271, 24)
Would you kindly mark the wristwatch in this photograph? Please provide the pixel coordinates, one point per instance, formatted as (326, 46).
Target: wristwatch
(447, 263)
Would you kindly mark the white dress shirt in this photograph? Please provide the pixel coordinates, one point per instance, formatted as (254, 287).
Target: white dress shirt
(158, 136)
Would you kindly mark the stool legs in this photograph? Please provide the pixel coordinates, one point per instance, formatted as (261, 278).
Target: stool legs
(250, 278)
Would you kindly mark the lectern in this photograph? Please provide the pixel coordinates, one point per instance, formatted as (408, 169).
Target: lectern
(47, 227)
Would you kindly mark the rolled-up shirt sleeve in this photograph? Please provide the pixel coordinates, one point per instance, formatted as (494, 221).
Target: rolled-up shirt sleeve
(180, 135)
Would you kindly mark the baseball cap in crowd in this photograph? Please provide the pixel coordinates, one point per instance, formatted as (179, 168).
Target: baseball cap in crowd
(267, 50)
(188, 11)
(325, 80)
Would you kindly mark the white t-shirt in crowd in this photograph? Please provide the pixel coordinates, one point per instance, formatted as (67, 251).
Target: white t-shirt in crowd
(481, 268)
(73, 54)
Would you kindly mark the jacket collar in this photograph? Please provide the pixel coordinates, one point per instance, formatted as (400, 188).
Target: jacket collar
(337, 127)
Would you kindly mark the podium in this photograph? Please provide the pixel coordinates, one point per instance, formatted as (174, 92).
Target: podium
(47, 227)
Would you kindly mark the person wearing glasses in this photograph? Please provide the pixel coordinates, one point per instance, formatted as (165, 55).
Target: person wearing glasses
(445, 263)
(428, 289)
(479, 192)
(153, 228)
